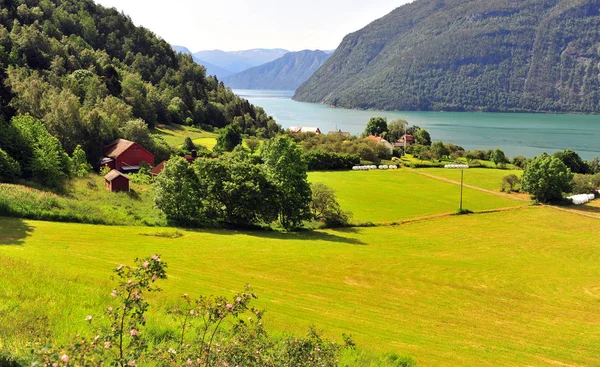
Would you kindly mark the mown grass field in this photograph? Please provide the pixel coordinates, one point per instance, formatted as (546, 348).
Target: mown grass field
(520, 287)
(490, 179)
(387, 196)
(176, 134)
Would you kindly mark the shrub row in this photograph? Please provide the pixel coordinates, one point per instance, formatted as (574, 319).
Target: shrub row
(319, 160)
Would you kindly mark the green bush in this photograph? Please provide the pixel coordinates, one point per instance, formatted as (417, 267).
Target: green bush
(318, 160)
(9, 168)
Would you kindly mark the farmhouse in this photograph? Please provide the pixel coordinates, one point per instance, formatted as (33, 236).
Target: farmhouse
(115, 181)
(126, 156)
(404, 141)
(304, 129)
(383, 142)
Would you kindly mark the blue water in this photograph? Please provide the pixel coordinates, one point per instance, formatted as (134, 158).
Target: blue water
(517, 134)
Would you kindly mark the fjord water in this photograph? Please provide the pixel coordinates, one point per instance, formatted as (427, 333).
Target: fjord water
(515, 133)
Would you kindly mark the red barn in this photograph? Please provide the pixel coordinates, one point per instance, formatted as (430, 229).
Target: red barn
(126, 156)
(115, 181)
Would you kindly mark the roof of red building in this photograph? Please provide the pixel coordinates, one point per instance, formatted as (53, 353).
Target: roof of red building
(158, 169)
(408, 137)
(378, 139)
(114, 174)
(117, 148)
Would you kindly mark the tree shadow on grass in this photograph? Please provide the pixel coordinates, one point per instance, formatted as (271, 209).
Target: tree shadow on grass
(287, 236)
(585, 209)
(13, 231)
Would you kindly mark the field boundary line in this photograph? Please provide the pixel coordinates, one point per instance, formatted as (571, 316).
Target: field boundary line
(470, 186)
(576, 212)
(438, 216)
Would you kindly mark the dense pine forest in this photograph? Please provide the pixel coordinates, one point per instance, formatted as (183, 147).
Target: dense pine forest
(473, 55)
(85, 71)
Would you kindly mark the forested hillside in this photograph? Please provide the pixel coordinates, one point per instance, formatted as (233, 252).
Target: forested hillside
(287, 73)
(502, 55)
(85, 70)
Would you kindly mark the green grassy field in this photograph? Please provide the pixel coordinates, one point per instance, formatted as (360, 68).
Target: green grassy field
(511, 288)
(387, 196)
(176, 134)
(86, 200)
(490, 179)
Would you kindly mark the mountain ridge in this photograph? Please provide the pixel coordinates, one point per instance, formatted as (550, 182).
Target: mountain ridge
(532, 55)
(286, 73)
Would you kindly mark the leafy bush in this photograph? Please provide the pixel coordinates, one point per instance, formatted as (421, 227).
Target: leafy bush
(318, 160)
(582, 184)
(511, 183)
(325, 207)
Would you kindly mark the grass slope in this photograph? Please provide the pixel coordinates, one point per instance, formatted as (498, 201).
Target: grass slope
(176, 134)
(385, 196)
(502, 289)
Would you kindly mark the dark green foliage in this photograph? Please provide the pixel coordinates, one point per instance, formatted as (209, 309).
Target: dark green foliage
(9, 168)
(511, 183)
(318, 160)
(85, 70)
(546, 178)
(396, 129)
(48, 163)
(325, 208)
(284, 162)
(79, 164)
(229, 138)
(188, 144)
(376, 126)
(572, 160)
(529, 55)
(178, 192)
(237, 191)
(582, 184)
(519, 161)
(422, 137)
(498, 157)
(439, 150)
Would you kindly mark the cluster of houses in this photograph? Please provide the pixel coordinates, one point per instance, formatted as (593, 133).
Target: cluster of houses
(404, 141)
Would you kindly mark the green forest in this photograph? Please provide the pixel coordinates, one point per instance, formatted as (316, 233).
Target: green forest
(468, 55)
(86, 71)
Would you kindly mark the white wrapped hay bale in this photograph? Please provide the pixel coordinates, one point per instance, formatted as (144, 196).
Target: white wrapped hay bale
(581, 199)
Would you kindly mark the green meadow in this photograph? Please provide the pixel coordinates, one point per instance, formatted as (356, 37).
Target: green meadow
(396, 195)
(518, 287)
(490, 179)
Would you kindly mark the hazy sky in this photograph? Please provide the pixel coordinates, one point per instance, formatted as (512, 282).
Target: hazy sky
(244, 24)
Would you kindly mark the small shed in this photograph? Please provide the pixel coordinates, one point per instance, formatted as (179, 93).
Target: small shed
(115, 181)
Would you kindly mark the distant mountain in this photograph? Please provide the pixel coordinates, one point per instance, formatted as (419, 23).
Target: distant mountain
(181, 49)
(287, 72)
(503, 55)
(237, 61)
(211, 69)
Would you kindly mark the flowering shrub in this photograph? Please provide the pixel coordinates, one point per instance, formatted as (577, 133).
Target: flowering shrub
(212, 331)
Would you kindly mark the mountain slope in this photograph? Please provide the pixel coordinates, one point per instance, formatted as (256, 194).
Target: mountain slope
(287, 72)
(237, 61)
(210, 68)
(505, 55)
(85, 71)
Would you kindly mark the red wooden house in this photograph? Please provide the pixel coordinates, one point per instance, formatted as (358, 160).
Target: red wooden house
(115, 181)
(126, 156)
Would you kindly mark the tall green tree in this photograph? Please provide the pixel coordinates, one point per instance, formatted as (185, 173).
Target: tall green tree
(572, 160)
(284, 162)
(498, 157)
(229, 138)
(178, 192)
(396, 129)
(546, 178)
(376, 126)
(422, 137)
